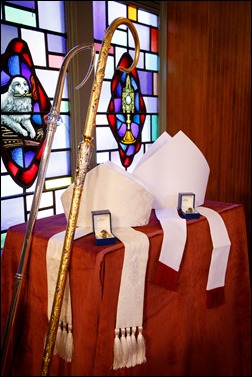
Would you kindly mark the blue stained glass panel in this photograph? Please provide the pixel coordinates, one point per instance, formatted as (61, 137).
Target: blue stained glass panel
(12, 212)
(25, 71)
(117, 103)
(29, 155)
(145, 79)
(47, 19)
(37, 117)
(36, 42)
(136, 118)
(49, 80)
(130, 150)
(119, 37)
(56, 43)
(26, 4)
(104, 139)
(8, 187)
(134, 84)
(120, 117)
(99, 19)
(62, 134)
(116, 10)
(4, 79)
(143, 33)
(151, 62)
(59, 164)
(110, 69)
(14, 67)
(118, 89)
(151, 104)
(121, 129)
(46, 200)
(7, 33)
(105, 97)
(147, 18)
(17, 156)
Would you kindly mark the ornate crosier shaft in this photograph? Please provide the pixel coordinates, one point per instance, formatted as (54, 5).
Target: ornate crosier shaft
(84, 158)
(52, 122)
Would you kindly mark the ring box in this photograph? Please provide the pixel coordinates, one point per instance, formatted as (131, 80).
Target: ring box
(102, 227)
(186, 203)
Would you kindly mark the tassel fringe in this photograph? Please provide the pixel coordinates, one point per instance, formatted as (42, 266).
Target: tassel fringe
(64, 342)
(129, 348)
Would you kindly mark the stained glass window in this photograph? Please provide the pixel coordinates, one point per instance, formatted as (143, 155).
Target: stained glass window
(126, 111)
(24, 107)
(42, 25)
(146, 23)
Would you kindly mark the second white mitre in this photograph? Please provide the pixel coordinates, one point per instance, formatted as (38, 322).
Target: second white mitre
(107, 186)
(173, 165)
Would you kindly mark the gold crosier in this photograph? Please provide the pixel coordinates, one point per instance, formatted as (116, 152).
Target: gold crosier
(53, 121)
(83, 162)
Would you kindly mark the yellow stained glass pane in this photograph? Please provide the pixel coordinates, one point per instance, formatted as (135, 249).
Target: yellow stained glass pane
(132, 13)
(57, 183)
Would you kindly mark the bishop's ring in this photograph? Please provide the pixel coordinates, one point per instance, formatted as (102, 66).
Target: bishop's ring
(103, 233)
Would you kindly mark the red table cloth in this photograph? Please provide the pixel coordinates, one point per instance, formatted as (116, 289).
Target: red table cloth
(183, 337)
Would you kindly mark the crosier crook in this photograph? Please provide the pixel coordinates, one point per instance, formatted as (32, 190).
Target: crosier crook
(84, 158)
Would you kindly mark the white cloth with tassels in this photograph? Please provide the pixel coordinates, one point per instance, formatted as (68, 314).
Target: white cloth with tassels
(122, 194)
(64, 337)
(129, 345)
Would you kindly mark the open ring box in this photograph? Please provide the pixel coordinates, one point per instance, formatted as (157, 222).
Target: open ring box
(186, 203)
(102, 227)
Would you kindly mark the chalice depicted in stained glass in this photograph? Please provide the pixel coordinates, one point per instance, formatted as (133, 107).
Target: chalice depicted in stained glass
(128, 107)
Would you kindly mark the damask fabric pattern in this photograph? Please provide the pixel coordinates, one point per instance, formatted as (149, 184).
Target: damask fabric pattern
(219, 338)
(107, 186)
(129, 344)
(64, 346)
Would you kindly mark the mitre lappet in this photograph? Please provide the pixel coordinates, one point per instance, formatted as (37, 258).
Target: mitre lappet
(109, 187)
(174, 165)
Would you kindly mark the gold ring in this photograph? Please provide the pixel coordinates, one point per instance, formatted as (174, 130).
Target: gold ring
(103, 233)
(189, 210)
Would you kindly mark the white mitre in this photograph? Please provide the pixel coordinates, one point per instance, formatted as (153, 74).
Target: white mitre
(173, 165)
(107, 186)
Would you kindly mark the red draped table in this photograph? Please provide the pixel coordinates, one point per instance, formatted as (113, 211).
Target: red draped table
(183, 337)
